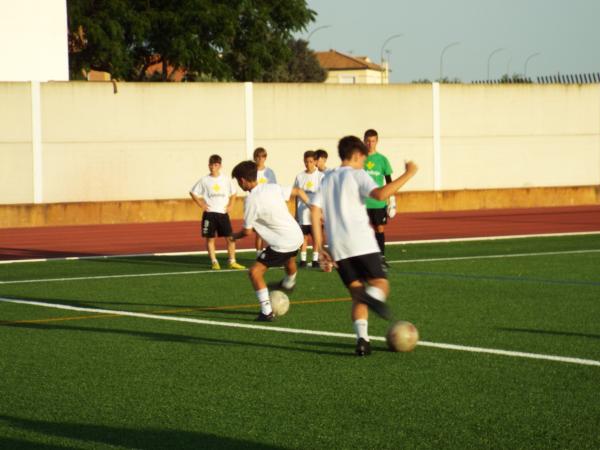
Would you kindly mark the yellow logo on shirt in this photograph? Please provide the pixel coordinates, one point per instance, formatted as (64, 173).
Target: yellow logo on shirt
(216, 188)
(370, 165)
(309, 185)
(262, 180)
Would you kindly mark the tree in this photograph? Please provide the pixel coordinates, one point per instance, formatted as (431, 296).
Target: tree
(245, 40)
(302, 66)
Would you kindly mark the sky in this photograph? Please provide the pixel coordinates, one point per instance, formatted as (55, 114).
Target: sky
(566, 33)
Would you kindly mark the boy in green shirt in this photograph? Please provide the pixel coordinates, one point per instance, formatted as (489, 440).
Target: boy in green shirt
(379, 168)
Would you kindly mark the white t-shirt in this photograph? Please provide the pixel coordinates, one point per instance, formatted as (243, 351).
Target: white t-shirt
(266, 211)
(309, 183)
(266, 175)
(342, 198)
(215, 191)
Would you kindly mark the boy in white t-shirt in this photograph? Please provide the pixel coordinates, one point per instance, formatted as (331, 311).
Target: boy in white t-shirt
(321, 159)
(263, 175)
(309, 181)
(215, 193)
(353, 248)
(266, 211)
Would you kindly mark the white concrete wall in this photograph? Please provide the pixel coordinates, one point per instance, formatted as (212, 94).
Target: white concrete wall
(33, 40)
(153, 140)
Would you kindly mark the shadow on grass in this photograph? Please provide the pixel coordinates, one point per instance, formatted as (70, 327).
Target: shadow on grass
(172, 338)
(104, 435)
(551, 332)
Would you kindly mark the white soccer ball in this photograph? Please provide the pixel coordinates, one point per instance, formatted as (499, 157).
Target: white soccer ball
(402, 337)
(280, 303)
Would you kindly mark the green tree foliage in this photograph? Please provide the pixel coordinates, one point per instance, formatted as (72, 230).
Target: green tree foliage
(245, 40)
(301, 67)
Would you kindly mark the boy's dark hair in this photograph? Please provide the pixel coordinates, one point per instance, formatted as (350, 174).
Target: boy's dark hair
(259, 151)
(370, 133)
(309, 154)
(321, 154)
(246, 170)
(214, 159)
(349, 145)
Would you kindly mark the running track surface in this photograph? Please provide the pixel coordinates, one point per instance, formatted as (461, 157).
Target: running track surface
(123, 239)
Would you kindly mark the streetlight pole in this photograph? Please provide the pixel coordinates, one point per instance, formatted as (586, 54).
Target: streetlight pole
(529, 58)
(498, 50)
(322, 27)
(386, 42)
(442, 58)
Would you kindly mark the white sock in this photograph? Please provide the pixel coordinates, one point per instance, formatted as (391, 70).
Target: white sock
(315, 256)
(214, 261)
(258, 252)
(302, 256)
(289, 281)
(376, 293)
(361, 328)
(263, 298)
(231, 260)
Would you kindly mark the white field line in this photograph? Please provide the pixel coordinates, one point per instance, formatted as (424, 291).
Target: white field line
(242, 250)
(564, 359)
(197, 272)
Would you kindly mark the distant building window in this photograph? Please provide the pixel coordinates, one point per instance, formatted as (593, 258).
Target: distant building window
(346, 79)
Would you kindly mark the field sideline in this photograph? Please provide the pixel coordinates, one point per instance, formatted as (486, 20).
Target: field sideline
(155, 352)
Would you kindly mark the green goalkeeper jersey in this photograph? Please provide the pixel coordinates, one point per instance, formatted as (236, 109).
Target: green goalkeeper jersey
(377, 166)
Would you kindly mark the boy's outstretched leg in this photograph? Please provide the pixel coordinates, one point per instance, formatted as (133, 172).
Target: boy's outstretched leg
(257, 278)
(288, 283)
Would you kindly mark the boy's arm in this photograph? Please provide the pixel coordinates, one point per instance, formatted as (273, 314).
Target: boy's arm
(240, 234)
(300, 193)
(230, 203)
(199, 201)
(316, 216)
(383, 192)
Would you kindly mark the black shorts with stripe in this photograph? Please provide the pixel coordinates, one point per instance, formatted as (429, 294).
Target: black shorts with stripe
(361, 268)
(216, 224)
(273, 258)
(377, 216)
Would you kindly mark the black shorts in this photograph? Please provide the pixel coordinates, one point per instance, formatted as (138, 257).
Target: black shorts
(272, 258)
(216, 224)
(306, 229)
(377, 216)
(361, 268)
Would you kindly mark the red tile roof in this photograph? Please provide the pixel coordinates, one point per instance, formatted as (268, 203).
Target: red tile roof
(334, 60)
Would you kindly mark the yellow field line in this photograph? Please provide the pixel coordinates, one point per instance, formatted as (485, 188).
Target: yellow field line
(172, 311)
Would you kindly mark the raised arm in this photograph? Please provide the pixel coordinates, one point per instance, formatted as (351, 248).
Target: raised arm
(383, 192)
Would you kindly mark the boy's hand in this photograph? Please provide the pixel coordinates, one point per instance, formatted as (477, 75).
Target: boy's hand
(410, 167)
(326, 261)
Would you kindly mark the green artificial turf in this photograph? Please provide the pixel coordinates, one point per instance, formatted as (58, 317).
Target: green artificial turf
(125, 382)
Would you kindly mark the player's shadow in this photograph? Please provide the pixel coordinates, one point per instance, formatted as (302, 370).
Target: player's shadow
(550, 332)
(170, 337)
(105, 435)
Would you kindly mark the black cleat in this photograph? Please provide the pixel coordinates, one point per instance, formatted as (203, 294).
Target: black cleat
(363, 347)
(315, 264)
(279, 287)
(302, 264)
(377, 306)
(265, 317)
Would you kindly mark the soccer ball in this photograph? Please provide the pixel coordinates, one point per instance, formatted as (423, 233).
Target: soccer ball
(280, 303)
(402, 336)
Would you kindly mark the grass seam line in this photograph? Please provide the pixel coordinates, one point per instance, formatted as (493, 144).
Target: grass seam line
(198, 272)
(518, 354)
